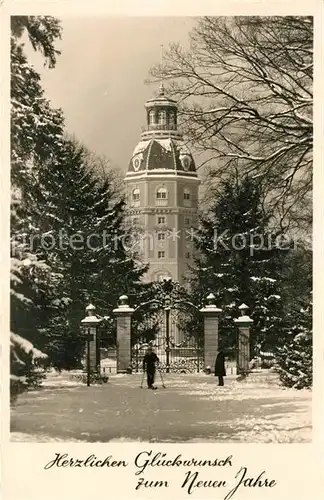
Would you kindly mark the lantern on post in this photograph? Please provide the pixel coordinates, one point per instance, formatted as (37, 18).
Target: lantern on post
(90, 324)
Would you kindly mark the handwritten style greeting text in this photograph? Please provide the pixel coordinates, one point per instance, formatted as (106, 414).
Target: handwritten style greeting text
(147, 460)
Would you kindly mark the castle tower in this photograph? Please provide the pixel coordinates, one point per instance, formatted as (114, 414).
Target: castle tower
(162, 193)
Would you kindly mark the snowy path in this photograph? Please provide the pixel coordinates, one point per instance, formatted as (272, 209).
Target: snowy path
(191, 408)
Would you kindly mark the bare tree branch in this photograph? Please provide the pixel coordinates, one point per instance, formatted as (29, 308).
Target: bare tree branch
(245, 93)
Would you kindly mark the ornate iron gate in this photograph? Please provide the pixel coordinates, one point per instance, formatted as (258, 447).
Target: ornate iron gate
(175, 330)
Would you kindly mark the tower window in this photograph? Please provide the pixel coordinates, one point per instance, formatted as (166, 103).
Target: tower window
(187, 221)
(161, 236)
(161, 197)
(162, 118)
(161, 194)
(136, 194)
(151, 117)
(135, 221)
(172, 119)
(187, 197)
(161, 220)
(161, 254)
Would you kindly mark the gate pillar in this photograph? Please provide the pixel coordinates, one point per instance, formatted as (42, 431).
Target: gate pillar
(211, 314)
(124, 317)
(90, 325)
(243, 323)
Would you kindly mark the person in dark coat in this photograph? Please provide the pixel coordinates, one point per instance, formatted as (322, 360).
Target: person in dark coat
(149, 361)
(220, 367)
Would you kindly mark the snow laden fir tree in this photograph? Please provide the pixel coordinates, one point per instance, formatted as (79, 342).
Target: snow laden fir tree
(84, 216)
(239, 262)
(35, 131)
(295, 358)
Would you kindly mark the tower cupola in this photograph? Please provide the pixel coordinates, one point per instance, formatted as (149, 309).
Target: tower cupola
(162, 146)
(161, 113)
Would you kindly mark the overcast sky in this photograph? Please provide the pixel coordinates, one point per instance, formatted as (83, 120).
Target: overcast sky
(99, 78)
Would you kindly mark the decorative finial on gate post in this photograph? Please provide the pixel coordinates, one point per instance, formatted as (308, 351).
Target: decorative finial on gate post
(90, 309)
(243, 308)
(210, 304)
(244, 320)
(123, 301)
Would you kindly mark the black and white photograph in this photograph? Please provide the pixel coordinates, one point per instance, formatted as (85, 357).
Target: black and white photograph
(161, 286)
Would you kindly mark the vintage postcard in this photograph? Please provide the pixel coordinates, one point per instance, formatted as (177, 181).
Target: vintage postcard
(162, 333)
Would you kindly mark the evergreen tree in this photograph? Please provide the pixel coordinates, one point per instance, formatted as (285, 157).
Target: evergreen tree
(295, 358)
(298, 275)
(36, 130)
(82, 237)
(240, 262)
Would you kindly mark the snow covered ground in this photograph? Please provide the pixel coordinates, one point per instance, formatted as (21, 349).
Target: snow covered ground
(192, 408)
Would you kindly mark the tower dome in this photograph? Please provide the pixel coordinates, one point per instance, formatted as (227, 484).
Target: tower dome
(162, 147)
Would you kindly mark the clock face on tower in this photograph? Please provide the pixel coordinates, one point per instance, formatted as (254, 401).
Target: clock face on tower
(186, 160)
(137, 160)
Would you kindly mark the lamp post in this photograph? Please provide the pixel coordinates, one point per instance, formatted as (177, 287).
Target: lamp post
(90, 323)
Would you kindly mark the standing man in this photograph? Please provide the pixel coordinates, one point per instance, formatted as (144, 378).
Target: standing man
(149, 361)
(220, 371)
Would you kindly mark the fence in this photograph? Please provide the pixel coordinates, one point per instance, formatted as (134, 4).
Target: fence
(108, 362)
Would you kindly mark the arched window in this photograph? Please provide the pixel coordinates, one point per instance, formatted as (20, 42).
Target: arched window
(136, 196)
(162, 118)
(161, 197)
(186, 194)
(162, 194)
(151, 117)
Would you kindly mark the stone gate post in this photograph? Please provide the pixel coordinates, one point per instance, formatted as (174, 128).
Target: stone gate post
(90, 324)
(124, 317)
(211, 314)
(243, 323)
